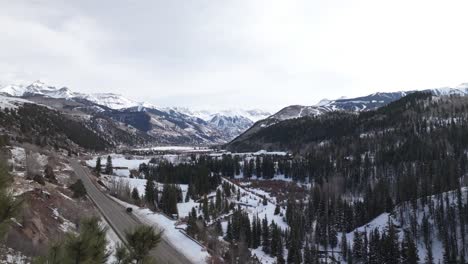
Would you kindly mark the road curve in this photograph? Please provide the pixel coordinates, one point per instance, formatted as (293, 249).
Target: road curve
(120, 221)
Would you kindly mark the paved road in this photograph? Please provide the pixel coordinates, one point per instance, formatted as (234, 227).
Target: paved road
(120, 221)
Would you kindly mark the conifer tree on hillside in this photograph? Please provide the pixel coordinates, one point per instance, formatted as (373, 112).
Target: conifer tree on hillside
(150, 193)
(98, 166)
(141, 241)
(409, 251)
(9, 205)
(265, 236)
(135, 196)
(88, 246)
(109, 168)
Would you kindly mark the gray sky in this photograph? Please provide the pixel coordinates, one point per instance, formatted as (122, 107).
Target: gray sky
(235, 53)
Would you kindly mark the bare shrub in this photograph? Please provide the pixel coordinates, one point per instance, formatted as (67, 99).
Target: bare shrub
(120, 189)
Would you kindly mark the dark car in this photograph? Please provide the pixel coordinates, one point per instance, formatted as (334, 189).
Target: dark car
(129, 210)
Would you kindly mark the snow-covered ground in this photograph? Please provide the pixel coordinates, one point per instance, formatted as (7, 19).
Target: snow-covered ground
(381, 221)
(66, 225)
(262, 256)
(250, 154)
(120, 161)
(253, 205)
(174, 236)
(279, 177)
(12, 103)
(175, 148)
(10, 256)
(113, 242)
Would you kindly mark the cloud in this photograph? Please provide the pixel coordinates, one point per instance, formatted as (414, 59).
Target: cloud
(259, 54)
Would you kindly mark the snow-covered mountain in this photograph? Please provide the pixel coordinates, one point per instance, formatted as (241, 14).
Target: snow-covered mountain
(38, 88)
(231, 122)
(253, 114)
(358, 104)
(363, 103)
(461, 89)
(168, 125)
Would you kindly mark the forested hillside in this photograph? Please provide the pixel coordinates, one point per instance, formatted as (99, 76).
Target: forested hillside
(395, 161)
(43, 126)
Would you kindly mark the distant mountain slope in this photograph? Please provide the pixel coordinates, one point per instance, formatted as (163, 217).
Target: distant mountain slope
(302, 134)
(26, 121)
(363, 103)
(230, 123)
(161, 125)
(110, 100)
(351, 105)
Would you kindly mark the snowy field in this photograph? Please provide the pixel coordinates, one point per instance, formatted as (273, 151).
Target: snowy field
(250, 154)
(185, 245)
(119, 160)
(252, 202)
(176, 149)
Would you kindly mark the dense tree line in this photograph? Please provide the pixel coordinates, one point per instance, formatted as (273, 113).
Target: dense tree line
(197, 174)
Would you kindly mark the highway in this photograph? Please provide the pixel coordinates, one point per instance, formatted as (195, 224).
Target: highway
(121, 221)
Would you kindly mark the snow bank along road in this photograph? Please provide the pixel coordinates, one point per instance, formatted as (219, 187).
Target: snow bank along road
(120, 221)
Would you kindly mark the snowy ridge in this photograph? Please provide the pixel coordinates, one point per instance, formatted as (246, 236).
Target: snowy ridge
(174, 125)
(253, 114)
(231, 122)
(358, 104)
(114, 101)
(12, 103)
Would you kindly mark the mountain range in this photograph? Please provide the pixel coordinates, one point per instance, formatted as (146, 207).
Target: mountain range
(351, 105)
(104, 112)
(163, 125)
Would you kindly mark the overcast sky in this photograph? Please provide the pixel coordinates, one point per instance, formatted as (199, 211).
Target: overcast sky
(235, 53)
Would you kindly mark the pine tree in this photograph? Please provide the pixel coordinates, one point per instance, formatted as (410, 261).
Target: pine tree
(9, 205)
(192, 228)
(122, 256)
(150, 196)
(109, 168)
(218, 201)
(255, 237)
(206, 212)
(89, 246)
(218, 228)
(390, 244)
(97, 169)
(135, 196)
(169, 198)
(374, 247)
(280, 257)
(344, 245)
(49, 174)
(78, 189)
(141, 241)
(358, 246)
(429, 259)
(275, 236)
(229, 235)
(307, 254)
(409, 252)
(265, 236)
(332, 236)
